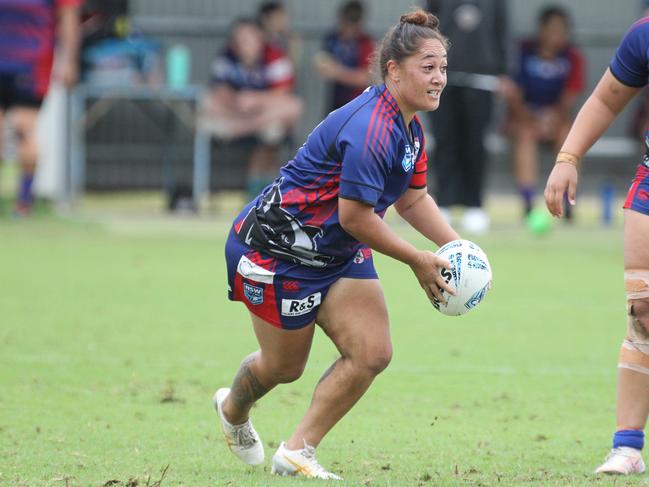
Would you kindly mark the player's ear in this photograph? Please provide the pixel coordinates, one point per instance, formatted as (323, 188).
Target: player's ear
(394, 70)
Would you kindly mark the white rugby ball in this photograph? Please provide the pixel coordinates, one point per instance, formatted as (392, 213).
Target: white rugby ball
(470, 277)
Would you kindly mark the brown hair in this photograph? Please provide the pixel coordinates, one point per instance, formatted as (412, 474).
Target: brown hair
(403, 39)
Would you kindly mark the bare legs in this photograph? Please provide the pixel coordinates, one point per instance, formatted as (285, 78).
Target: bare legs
(24, 123)
(363, 340)
(280, 359)
(279, 111)
(529, 131)
(633, 387)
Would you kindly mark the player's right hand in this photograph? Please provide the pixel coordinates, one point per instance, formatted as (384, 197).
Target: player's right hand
(426, 270)
(562, 180)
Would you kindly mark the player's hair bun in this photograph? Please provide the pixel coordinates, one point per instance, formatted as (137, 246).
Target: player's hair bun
(404, 39)
(420, 17)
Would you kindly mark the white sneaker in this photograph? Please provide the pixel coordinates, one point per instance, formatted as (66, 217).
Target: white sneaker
(476, 221)
(622, 461)
(299, 462)
(242, 439)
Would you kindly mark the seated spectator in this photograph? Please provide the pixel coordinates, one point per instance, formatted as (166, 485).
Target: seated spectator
(251, 96)
(274, 22)
(550, 79)
(345, 57)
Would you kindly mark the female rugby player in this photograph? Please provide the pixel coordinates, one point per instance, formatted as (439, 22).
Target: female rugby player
(623, 79)
(300, 254)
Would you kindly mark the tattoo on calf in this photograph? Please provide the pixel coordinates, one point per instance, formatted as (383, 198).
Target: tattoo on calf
(328, 372)
(246, 388)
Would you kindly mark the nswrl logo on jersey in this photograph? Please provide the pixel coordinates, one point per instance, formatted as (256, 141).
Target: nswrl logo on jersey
(408, 159)
(254, 294)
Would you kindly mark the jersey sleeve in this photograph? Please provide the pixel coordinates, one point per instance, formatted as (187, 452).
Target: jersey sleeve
(221, 72)
(365, 161)
(68, 3)
(575, 82)
(520, 75)
(329, 43)
(419, 178)
(279, 69)
(365, 51)
(629, 64)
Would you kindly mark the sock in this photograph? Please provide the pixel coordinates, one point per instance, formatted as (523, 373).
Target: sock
(527, 193)
(629, 438)
(25, 196)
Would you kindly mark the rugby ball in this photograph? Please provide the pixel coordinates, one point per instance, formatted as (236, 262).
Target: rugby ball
(470, 277)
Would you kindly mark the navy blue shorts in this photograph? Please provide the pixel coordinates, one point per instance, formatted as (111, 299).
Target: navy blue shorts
(283, 293)
(638, 196)
(14, 91)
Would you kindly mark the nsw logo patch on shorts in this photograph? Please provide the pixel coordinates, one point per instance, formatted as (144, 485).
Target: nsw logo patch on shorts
(362, 255)
(299, 307)
(254, 294)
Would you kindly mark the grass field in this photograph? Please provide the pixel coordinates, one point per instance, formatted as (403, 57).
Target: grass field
(116, 330)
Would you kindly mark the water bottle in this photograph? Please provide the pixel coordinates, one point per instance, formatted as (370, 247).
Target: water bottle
(178, 66)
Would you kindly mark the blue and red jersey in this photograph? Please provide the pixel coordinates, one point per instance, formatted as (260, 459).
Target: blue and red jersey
(353, 54)
(362, 151)
(543, 80)
(630, 64)
(274, 70)
(27, 39)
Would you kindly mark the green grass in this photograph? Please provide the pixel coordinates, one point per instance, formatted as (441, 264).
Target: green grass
(114, 333)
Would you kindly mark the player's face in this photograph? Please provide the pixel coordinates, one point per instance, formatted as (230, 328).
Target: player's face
(278, 22)
(247, 42)
(423, 76)
(554, 34)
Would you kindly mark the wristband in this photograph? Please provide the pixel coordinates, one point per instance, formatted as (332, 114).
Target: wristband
(567, 158)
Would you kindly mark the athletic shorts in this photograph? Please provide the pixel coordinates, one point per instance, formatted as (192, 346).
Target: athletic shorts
(283, 293)
(638, 196)
(16, 91)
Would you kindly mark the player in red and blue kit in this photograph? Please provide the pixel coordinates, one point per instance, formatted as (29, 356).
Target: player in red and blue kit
(550, 79)
(627, 74)
(300, 254)
(296, 220)
(28, 32)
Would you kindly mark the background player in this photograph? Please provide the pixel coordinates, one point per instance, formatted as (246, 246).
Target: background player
(626, 75)
(300, 253)
(550, 79)
(27, 39)
(344, 60)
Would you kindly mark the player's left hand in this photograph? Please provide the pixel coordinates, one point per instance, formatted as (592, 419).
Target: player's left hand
(426, 270)
(563, 179)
